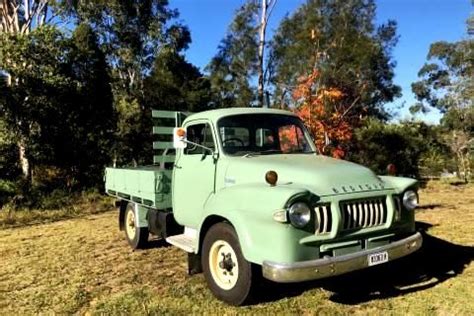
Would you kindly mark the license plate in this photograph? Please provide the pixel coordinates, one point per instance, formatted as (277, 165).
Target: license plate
(377, 258)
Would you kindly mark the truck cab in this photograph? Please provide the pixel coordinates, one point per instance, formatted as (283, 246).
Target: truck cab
(247, 194)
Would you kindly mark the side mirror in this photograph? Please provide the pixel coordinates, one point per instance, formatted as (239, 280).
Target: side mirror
(179, 138)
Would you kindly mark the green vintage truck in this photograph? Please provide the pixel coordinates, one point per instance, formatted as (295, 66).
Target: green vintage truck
(246, 194)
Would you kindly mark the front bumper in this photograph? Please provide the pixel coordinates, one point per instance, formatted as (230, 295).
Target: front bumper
(322, 268)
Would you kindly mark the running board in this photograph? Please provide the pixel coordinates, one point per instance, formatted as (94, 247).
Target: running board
(186, 241)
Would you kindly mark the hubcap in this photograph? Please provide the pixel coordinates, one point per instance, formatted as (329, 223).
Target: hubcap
(223, 264)
(130, 225)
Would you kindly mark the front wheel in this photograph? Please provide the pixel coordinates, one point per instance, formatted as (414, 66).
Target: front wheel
(137, 237)
(228, 275)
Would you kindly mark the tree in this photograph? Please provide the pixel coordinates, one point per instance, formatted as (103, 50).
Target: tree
(339, 39)
(447, 84)
(241, 57)
(21, 16)
(413, 147)
(60, 104)
(175, 84)
(91, 116)
(324, 113)
(34, 62)
(236, 60)
(132, 34)
(265, 12)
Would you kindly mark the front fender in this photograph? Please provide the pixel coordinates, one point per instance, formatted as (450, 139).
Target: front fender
(250, 209)
(399, 184)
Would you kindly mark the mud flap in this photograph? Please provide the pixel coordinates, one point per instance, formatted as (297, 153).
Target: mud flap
(194, 264)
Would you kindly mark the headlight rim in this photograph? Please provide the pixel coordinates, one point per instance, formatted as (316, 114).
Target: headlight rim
(407, 201)
(291, 215)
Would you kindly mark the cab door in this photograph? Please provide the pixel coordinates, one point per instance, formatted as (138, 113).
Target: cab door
(194, 174)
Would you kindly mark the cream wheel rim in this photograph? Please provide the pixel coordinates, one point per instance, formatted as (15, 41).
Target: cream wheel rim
(223, 264)
(130, 225)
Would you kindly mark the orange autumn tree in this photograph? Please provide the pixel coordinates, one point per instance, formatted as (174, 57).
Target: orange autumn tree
(324, 112)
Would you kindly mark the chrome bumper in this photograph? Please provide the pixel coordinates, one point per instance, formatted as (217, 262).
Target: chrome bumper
(322, 268)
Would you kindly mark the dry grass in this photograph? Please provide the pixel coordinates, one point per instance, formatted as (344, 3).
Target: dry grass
(76, 205)
(83, 265)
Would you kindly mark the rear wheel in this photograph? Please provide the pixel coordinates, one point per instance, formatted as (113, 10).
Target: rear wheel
(137, 237)
(228, 275)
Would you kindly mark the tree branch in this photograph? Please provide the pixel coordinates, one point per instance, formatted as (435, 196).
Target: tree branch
(350, 107)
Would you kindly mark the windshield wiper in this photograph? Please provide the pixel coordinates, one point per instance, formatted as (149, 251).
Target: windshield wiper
(250, 154)
(264, 152)
(271, 151)
(301, 152)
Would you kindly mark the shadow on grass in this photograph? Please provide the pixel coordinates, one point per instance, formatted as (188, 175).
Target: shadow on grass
(459, 183)
(437, 261)
(157, 243)
(428, 206)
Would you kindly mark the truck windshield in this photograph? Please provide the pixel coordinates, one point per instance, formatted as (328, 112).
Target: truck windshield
(263, 134)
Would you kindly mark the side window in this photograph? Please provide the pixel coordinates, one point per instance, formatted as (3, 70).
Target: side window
(200, 134)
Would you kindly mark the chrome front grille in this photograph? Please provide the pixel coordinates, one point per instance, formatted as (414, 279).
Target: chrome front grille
(323, 219)
(364, 213)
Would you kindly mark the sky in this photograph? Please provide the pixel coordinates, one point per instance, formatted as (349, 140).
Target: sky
(420, 23)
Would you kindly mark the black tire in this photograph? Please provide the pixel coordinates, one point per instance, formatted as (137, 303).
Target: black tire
(137, 237)
(240, 293)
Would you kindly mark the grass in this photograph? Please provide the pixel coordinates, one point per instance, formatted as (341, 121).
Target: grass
(83, 265)
(55, 207)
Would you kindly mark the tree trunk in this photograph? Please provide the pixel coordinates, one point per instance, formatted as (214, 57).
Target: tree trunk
(24, 163)
(261, 48)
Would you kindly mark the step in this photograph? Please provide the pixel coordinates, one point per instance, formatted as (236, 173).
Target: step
(184, 241)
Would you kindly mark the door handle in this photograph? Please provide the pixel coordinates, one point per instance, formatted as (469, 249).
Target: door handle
(177, 167)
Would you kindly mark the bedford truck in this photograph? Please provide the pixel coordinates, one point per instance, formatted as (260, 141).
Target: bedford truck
(246, 194)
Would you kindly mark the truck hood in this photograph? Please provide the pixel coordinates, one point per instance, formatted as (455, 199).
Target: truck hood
(319, 174)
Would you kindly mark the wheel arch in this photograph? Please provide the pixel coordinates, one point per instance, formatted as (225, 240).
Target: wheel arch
(209, 221)
(252, 219)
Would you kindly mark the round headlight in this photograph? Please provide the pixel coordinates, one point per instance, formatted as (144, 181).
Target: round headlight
(410, 200)
(299, 214)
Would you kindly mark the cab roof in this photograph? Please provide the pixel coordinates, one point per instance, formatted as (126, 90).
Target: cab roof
(214, 115)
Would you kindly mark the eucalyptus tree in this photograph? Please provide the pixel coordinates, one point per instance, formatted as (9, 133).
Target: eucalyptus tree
(241, 59)
(134, 35)
(60, 103)
(20, 17)
(447, 84)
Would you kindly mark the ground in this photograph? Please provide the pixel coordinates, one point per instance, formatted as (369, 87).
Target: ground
(83, 265)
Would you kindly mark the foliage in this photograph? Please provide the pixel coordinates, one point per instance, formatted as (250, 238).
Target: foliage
(175, 84)
(447, 84)
(236, 61)
(51, 207)
(143, 42)
(340, 39)
(323, 113)
(407, 145)
(8, 152)
(60, 102)
(131, 34)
